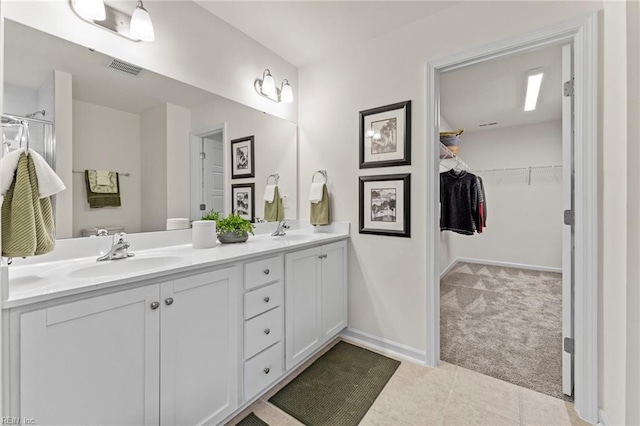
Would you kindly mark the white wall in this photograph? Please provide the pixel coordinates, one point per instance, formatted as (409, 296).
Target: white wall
(387, 288)
(178, 184)
(153, 154)
(64, 152)
(106, 139)
(19, 100)
(191, 45)
(524, 221)
(275, 150)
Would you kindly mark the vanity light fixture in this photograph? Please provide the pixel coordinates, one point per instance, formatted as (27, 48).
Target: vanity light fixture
(137, 27)
(534, 81)
(267, 88)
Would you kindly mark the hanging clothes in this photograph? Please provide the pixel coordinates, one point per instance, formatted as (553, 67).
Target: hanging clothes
(462, 202)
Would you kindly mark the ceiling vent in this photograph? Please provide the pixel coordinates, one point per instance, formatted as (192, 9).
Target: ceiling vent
(489, 124)
(125, 67)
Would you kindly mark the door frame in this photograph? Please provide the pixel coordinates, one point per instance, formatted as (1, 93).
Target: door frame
(195, 137)
(583, 34)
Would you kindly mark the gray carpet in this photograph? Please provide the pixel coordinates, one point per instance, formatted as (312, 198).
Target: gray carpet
(505, 323)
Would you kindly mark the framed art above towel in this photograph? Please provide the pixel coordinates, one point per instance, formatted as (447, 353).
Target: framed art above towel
(385, 136)
(385, 205)
(242, 158)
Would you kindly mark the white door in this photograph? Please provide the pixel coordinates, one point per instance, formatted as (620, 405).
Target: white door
(302, 305)
(93, 361)
(199, 352)
(334, 289)
(568, 228)
(214, 173)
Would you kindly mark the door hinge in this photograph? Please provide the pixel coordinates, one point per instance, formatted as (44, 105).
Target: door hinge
(569, 345)
(203, 207)
(203, 155)
(569, 217)
(568, 87)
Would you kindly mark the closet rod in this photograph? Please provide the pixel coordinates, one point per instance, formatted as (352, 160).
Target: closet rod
(510, 169)
(119, 173)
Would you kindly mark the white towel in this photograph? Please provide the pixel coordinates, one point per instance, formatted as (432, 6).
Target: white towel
(104, 177)
(269, 193)
(315, 193)
(48, 181)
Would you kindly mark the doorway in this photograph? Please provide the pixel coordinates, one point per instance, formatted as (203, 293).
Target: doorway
(207, 172)
(582, 34)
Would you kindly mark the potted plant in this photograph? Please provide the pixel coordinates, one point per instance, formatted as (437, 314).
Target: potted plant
(231, 229)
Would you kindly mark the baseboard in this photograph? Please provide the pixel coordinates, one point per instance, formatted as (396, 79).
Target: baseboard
(507, 264)
(383, 345)
(602, 418)
(448, 268)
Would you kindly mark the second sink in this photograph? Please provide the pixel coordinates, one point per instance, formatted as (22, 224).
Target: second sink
(123, 266)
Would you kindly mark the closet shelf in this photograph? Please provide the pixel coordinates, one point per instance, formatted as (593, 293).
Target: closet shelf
(446, 154)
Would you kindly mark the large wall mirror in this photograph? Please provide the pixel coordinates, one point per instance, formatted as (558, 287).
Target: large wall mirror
(169, 142)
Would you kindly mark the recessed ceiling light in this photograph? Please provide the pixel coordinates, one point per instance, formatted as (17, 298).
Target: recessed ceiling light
(534, 81)
(488, 124)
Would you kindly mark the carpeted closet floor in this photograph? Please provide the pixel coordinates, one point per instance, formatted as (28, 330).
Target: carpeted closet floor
(505, 323)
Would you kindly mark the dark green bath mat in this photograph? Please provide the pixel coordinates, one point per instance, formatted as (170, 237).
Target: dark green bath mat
(338, 388)
(252, 420)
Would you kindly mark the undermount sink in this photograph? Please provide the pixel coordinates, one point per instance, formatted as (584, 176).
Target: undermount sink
(123, 266)
(294, 237)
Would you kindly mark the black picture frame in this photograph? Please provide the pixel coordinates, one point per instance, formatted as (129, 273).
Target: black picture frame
(242, 167)
(390, 221)
(394, 150)
(250, 213)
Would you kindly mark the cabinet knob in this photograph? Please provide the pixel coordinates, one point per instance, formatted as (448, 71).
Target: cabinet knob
(168, 301)
(155, 305)
(266, 370)
(266, 271)
(266, 299)
(267, 331)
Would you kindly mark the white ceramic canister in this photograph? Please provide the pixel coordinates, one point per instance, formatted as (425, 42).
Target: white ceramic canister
(177, 223)
(203, 234)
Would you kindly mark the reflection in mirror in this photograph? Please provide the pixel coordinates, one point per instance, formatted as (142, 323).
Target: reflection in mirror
(168, 141)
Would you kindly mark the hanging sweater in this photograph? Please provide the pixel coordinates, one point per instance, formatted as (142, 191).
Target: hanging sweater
(459, 202)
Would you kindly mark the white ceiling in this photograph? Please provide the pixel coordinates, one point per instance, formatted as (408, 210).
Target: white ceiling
(31, 56)
(494, 91)
(303, 32)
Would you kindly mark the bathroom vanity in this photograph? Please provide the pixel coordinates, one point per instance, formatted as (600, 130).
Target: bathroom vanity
(173, 335)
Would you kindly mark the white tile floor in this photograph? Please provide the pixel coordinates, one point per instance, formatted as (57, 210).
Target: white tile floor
(447, 395)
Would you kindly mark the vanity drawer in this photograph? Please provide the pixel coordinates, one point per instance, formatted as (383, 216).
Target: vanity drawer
(262, 272)
(263, 370)
(262, 299)
(262, 331)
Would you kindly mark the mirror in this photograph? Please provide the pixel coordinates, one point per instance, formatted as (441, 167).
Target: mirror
(169, 142)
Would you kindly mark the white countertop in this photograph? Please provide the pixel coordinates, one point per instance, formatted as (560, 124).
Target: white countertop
(38, 282)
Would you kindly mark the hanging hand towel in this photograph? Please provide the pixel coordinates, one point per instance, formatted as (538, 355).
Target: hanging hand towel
(110, 188)
(101, 199)
(103, 177)
(27, 219)
(48, 181)
(274, 211)
(316, 192)
(269, 193)
(320, 210)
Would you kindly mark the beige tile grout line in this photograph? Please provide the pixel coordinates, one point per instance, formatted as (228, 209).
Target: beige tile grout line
(446, 404)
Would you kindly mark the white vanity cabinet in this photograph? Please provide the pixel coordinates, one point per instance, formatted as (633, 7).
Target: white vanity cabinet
(158, 354)
(315, 299)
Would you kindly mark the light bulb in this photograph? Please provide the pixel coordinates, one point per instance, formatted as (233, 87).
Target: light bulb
(286, 93)
(141, 25)
(92, 10)
(268, 85)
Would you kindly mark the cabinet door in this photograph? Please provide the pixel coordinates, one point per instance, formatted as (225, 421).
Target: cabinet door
(199, 353)
(334, 289)
(302, 305)
(93, 361)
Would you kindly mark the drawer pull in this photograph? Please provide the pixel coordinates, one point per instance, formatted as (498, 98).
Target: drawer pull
(266, 370)
(266, 299)
(322, 256)
(267, 331)
(168, 301)
(266, 271)
(155, 305)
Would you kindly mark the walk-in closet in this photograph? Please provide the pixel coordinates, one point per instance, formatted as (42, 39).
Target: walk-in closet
(503, 191)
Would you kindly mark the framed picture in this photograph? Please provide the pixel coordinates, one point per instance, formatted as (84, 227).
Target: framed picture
(385, 205)
(242, 161)
(243, 200)
(385, 136)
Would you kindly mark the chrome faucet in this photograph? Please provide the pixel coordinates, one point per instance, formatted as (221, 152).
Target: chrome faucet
(119, 248)
(280, 231)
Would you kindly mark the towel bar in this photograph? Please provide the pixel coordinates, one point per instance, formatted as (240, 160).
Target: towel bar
(275, 177)
(322, 172)
(120, 174)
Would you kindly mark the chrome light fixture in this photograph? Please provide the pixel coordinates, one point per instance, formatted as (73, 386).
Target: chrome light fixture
(137, 27)
(267, 88)
(534, 81)
(141, 25)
